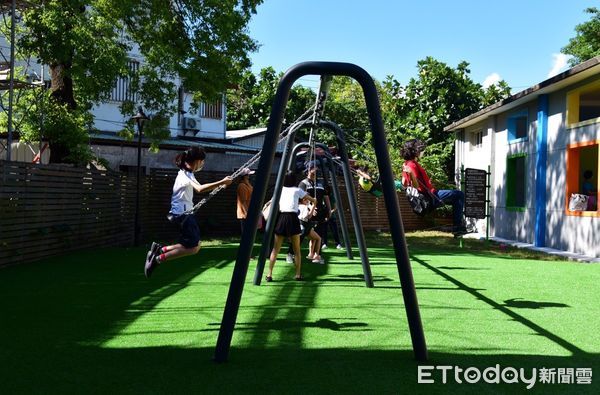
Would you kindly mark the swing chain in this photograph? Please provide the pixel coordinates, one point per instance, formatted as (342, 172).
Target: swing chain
(282, 136)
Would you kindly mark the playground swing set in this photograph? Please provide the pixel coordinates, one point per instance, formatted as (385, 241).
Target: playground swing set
(329, 168)
(273, 136)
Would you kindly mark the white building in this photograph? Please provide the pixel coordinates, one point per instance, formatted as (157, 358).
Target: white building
(539, 143)
(206, 127)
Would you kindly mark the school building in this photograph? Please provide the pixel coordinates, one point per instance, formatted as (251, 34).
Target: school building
(541, 146)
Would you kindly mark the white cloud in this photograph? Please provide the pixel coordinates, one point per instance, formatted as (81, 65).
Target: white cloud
(559, 63)
(491, 80)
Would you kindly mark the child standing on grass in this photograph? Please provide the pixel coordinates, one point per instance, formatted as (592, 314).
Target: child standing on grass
(189, 162)
(288, 224)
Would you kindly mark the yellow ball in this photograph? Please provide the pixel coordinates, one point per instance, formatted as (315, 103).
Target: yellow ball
(365, 184)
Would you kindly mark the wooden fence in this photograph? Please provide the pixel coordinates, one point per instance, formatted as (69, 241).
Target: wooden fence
(47, 210)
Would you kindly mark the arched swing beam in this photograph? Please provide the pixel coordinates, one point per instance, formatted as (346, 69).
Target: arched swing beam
(260, 189)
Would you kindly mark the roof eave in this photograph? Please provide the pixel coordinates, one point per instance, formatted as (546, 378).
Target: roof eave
(575, 74)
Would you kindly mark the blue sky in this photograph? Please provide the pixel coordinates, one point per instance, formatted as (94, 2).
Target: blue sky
(518, 41)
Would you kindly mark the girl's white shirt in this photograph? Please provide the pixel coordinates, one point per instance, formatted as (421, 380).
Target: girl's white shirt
(183, 192)
(290, 196)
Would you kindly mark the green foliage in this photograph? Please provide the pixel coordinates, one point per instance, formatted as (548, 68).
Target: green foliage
(586, 44)
(37, 117)
(86, 43)
(249, 104)
(346, 107)
(439, 96)
(62, 126)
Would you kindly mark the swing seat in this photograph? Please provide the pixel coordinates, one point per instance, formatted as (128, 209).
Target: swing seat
(421, 204)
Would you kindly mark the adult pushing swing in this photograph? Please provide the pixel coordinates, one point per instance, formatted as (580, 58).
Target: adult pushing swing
(391, 201)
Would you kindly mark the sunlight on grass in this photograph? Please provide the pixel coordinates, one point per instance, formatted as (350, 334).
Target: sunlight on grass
(479, 306)
(469, 301)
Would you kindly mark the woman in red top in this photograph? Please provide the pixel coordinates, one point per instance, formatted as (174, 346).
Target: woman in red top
(414, 174)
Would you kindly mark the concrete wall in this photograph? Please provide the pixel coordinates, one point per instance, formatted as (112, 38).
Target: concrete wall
(567, 232)
(510, 224)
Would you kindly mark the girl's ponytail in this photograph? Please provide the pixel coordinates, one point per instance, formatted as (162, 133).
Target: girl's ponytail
(189, 156)
(180, 159)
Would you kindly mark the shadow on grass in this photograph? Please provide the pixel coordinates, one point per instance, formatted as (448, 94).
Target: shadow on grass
(165, 370)
(529, 304)
(50, 310)
(286, 324)
(88, 298)
(504, 309)
(354, 277)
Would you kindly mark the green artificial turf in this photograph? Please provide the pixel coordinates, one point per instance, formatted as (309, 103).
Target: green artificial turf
(89, 322)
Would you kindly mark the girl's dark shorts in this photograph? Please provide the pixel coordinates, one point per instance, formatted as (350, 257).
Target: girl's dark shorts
(189, 236)
(288, 225)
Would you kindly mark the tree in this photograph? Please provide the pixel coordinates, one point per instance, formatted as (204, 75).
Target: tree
(85, 43)
(346, 107)
(249, 104)
(439, 96)
(586, 44)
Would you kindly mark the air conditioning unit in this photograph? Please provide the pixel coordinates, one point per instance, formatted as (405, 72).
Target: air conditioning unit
(191, 124)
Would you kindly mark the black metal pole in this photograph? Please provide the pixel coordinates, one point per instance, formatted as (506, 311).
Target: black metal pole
(336, 190)
(328, 124)
(340, 208)
(358, 229)
(265, 248)
(136, 234)
(240, 269)
(11, 81)
(395, 219)
(266, 161)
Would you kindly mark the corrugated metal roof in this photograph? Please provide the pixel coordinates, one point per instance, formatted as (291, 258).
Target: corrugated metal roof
(244, 133)
(105, 137)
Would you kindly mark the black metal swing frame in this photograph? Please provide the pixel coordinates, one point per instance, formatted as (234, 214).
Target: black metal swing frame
(391, 202)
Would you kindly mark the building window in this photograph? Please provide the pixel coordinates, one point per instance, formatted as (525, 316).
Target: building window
(583, 105)
(582, 176)
(122, 90)
(518, 127)
(476, 140)
(212, 110)
(516, 182)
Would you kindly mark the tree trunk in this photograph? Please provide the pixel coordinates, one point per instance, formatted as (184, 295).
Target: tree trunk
(58, 153)
(61, 89)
